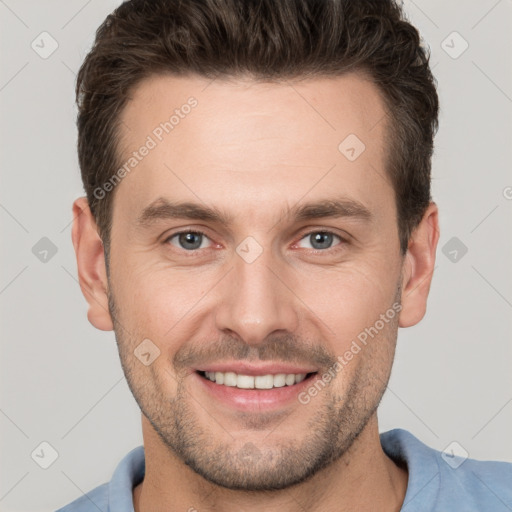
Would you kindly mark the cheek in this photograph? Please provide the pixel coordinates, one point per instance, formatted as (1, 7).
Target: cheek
(156, 301)
(161, 303)
(363, 344)
(349, 299)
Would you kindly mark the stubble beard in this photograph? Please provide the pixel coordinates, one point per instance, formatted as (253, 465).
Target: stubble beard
(277, 462)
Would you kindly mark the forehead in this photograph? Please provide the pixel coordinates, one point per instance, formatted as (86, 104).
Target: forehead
(252, 144)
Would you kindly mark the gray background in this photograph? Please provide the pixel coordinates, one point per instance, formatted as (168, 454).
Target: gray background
(61, 381)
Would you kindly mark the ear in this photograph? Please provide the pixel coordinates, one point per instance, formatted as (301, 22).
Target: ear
(90, 258)
(418, 268)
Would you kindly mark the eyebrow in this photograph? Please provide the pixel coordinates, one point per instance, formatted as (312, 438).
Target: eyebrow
(163, 209)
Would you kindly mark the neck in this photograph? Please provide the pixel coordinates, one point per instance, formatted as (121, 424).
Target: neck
(364, 478)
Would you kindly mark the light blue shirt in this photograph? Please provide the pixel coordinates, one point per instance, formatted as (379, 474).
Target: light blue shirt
(437, 482)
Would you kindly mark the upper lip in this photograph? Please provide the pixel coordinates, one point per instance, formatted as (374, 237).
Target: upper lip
(243, 368)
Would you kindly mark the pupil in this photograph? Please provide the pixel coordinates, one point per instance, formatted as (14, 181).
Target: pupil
(324, 240)
(187, 240)
(319, 240)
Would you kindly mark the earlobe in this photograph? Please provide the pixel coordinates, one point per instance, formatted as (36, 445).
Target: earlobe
(418, 268)
(90, 257)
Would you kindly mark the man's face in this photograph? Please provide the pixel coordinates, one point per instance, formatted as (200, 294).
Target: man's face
(262, 291)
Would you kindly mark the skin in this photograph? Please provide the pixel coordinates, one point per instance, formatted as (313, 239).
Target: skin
(256, 151)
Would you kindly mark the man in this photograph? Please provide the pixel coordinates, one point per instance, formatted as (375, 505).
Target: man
(258, 224)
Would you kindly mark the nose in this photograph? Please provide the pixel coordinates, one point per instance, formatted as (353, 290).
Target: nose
(257, 300)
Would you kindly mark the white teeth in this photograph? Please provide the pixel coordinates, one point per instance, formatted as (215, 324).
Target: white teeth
(245, 382)
(279, 380)
(264, 382)
(229, 378)
(259, 382)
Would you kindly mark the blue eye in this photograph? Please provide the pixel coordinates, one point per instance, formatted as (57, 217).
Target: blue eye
(192, 241)
(321, 240)
(188, 240)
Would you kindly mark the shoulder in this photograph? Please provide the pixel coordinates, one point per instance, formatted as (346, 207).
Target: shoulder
(486, 485)
(95, 500)
(118, 493)
(449, 481)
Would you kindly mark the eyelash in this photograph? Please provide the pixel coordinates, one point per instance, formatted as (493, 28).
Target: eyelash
(195, 252)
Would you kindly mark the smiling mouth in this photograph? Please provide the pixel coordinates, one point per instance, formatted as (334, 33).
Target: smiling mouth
(269, 381)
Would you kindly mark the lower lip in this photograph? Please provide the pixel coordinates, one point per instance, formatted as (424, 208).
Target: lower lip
(255, 400)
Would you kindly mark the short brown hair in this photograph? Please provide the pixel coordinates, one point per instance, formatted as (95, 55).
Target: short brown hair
(270, 40)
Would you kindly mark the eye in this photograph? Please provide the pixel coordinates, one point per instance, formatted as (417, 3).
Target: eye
(321, 240)
(188, 240)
